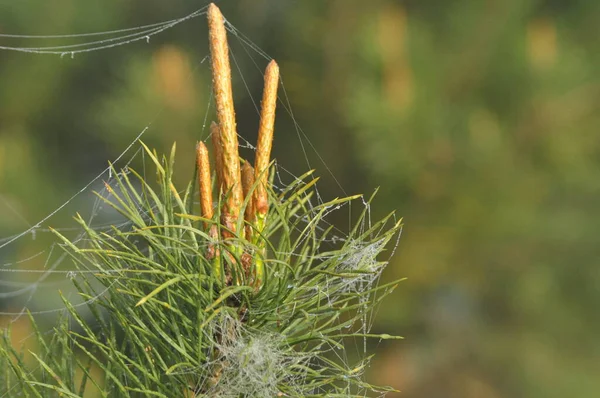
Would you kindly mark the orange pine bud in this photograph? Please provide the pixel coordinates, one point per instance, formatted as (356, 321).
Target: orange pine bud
(265, 136)
(221, 72)
(204, 181)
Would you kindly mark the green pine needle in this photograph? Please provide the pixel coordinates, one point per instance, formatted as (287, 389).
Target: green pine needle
(163, 322)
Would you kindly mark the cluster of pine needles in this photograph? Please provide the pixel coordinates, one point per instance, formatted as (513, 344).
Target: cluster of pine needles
(250, 297)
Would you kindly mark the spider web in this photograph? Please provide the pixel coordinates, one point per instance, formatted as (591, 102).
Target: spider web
(34, 282)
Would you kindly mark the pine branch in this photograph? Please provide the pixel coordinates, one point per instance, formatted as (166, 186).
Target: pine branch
(214, 304)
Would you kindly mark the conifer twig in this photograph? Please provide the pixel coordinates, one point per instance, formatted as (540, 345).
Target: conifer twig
(263, 159)
(206, 204)
(204, 182)
(265, 137)
(221, 72)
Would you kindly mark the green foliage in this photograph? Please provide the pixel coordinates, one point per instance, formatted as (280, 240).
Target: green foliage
(168, 320)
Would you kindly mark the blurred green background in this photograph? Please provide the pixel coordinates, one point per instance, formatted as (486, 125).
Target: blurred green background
(480, 120)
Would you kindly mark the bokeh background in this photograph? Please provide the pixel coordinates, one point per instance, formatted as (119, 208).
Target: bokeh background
(480, 120)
